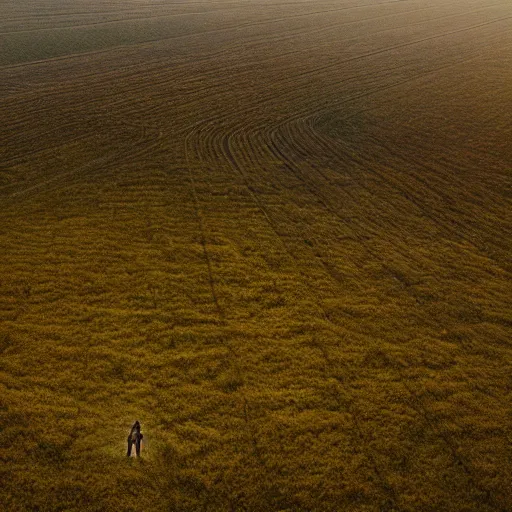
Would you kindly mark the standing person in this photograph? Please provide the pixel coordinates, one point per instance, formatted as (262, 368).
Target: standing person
(137, 437)
(134, 438)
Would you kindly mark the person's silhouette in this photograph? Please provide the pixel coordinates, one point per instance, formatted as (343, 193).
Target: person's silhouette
(134, 438)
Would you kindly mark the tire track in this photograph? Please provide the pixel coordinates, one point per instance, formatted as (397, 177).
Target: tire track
(219, 141)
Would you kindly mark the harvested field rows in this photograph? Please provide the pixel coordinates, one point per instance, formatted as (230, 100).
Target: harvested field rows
(276, 233)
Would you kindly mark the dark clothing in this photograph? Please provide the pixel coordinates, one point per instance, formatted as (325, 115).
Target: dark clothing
(134, 438)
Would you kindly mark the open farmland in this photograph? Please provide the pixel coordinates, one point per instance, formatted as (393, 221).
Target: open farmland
(278, 233)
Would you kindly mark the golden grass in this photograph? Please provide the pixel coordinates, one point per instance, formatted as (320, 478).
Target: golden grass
(277, 234)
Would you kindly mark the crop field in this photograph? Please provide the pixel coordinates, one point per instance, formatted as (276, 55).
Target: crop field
(277, 233)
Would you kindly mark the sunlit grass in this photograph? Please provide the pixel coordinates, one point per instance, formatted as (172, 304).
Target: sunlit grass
(284, 249)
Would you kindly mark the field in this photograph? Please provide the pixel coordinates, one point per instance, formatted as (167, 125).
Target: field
(278, 233)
